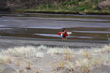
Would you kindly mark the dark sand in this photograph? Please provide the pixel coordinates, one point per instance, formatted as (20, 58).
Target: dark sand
(7, 42)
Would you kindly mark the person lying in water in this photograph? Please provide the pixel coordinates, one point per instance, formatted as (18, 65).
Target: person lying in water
(63, 35)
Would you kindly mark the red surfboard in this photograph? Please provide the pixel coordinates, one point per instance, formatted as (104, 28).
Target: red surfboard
(60, 34)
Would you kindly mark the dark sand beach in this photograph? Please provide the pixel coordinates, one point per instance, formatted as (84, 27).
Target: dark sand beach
(31, 40)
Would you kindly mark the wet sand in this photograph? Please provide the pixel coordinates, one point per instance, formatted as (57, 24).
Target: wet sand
(46, 26)
(7, 42)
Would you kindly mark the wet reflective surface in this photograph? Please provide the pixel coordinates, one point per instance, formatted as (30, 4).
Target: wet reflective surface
(37, 25)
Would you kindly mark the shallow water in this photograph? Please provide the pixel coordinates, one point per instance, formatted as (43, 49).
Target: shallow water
(40, 25)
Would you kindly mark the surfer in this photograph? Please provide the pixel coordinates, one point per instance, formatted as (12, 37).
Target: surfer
(63, 35)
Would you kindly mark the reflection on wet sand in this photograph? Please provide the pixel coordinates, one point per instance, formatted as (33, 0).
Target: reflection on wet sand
(85, 27)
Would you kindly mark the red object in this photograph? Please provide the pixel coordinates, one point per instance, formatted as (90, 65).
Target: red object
(60, 34)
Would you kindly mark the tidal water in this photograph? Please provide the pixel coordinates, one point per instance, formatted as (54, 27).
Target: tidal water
(41, 25)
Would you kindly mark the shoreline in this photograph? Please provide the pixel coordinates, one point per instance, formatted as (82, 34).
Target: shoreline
(64, 12)
(9, 42)
(59, 12)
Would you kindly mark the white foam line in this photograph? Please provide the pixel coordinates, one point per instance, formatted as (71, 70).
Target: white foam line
(93, 31)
